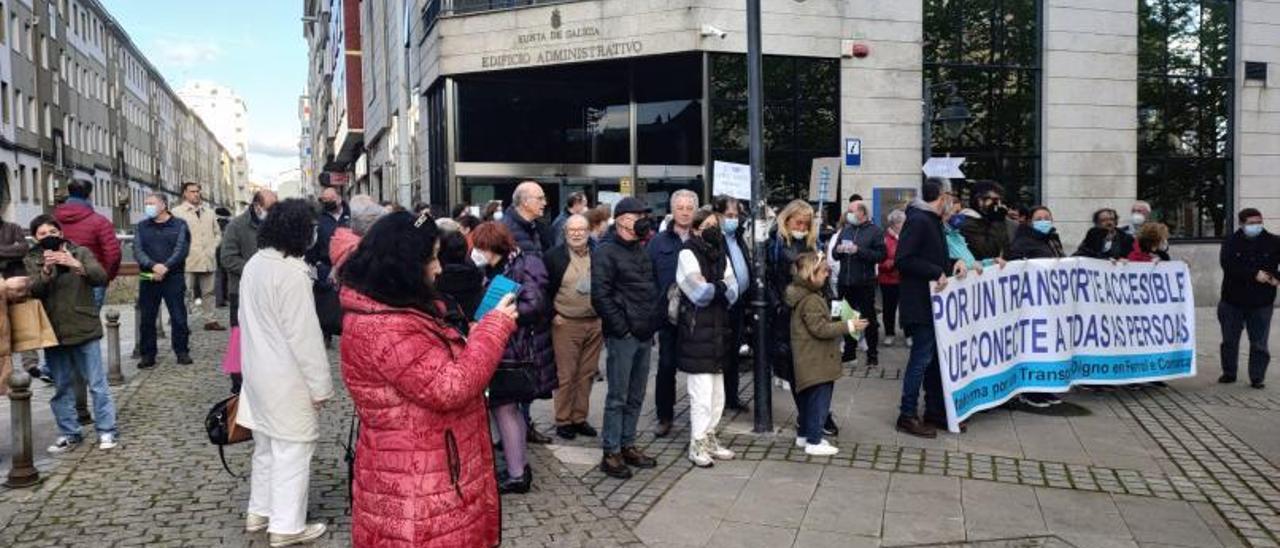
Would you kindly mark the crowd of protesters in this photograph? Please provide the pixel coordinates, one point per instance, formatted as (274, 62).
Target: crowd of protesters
(443, 374)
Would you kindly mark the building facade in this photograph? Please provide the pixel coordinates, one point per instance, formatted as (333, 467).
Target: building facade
(1074, 104)
(79, 101)
(227, 117)
(335, 89)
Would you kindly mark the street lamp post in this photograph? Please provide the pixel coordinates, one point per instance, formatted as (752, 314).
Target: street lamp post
(953, 117)
(755, 122)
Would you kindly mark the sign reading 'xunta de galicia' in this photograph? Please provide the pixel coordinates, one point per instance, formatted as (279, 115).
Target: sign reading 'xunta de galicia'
(548, 46)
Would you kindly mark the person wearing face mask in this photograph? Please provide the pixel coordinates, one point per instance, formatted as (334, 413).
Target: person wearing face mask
(575, 328)
(624, 292)
(530, 347)
(160, 245)
(334, 214)
(858, 248)
(663, 250)
(1105, 240)
(922, 259)
(888, 277)
(1139, 215)
(239, 243)
(794, 233)
(732, 217)
(1037, 240)
(63, 275)
(985, 223)
(1250, 260)
(704, 340)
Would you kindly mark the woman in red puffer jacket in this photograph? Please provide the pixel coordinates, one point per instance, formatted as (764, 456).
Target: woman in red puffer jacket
(424, 469)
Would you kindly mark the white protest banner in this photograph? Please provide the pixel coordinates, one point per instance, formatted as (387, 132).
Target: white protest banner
(1047, 324)
(732, 180)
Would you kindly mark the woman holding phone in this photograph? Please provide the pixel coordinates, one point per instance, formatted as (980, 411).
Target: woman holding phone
(418, 387)
(494, 250)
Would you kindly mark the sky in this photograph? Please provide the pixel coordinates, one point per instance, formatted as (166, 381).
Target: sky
(255, 47)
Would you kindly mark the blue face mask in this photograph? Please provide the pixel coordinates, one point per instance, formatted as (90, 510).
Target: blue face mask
(150, 211)
(956, 222)
(730, 226)
(1043, 226)
(1252, 231)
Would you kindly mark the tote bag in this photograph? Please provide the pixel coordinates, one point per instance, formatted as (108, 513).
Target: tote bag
(31, 329)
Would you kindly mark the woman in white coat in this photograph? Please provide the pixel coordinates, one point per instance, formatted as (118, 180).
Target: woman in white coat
(286, 374)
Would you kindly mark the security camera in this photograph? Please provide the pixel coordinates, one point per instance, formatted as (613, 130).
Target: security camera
(709, 30)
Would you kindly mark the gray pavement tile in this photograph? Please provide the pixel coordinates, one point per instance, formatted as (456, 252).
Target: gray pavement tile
(826, 539)
(924, 494)
(776, 495)
(901, 528)
(848, 501)
(1071, 512)
(1163, 521)
(752, 535)
(993, 511)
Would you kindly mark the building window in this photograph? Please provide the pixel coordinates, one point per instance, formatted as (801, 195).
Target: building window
(1185, 102)
(35, 183)
(990, 50)
(801, 117)
(22, 183)
(4, 102)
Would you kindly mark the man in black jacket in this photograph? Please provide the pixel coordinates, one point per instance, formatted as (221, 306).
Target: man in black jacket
(625, 296)
(1250, 262)
(859, 247)
(922, 259)
(987, 231)
(524, 219)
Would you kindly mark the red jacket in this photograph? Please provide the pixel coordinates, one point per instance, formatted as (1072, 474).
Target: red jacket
(85, 228)
(888, 270)
(424, 469)
(1137, 255)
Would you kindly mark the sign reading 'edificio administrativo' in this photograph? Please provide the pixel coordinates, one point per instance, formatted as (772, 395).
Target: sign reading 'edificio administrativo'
(554, 50)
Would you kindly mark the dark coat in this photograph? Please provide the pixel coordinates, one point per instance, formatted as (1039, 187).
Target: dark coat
(624, 291)
(1094, 245)
(859, 268)
(164, 243)
(1241, 259)
(86, 228)
(68, 297)
(704, 336)
(318, 255)
(922, 258)
(463, 284)
(532, 237)
(780, 258)
(531, 342)
(239, 243)
(1028, 243)
(986, 238)
(664, 251)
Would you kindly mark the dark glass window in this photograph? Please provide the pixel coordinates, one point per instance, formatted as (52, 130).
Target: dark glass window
(580, 114)
(1185, 83)
(437, 159)
(801, 117)
(990, 50)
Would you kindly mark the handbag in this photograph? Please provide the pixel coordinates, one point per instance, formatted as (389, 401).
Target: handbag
(514, 378)
(31, 329)
(221, 426)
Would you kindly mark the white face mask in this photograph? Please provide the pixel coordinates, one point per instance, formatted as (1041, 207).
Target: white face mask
(497, 215)
(800, 234)
(851, 218)
(1138, 219)
(479, 258)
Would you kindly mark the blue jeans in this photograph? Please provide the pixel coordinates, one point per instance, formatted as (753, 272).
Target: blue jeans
(85, 360)
(627, 370)
(922, 367)
(1257, 321)
(815, 406)
(172, 291)
(99, 297)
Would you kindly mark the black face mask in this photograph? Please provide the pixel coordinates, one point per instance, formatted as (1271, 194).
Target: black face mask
(996, 212)
(642, 227)
(713, 237)
(51, 243)
(330, 206)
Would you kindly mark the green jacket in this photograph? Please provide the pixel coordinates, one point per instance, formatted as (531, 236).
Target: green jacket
(239, 242)
(815, 336)
(67, 297)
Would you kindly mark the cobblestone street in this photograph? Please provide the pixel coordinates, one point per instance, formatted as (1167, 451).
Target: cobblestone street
(1194, 464)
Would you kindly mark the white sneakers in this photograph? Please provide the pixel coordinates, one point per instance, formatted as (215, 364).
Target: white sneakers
(254, 523)
(107, 441)
(311, 532)
(62, 445)
(704, 452)
(820, 449)
(801, 442)
(888, 340)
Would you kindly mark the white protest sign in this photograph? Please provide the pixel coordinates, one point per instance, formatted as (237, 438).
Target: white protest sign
(1047, 324)
(823, 178)
(946, 168)
(732, 180)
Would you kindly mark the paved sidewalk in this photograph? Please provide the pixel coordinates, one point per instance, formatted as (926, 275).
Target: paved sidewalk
(1192, 465)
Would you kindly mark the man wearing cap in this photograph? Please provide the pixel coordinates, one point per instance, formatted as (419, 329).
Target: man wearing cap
(625, 296)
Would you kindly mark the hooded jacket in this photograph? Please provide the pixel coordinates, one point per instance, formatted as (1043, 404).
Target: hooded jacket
(922, 258)
(815, 336)
(68, 297)
(84, 227)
